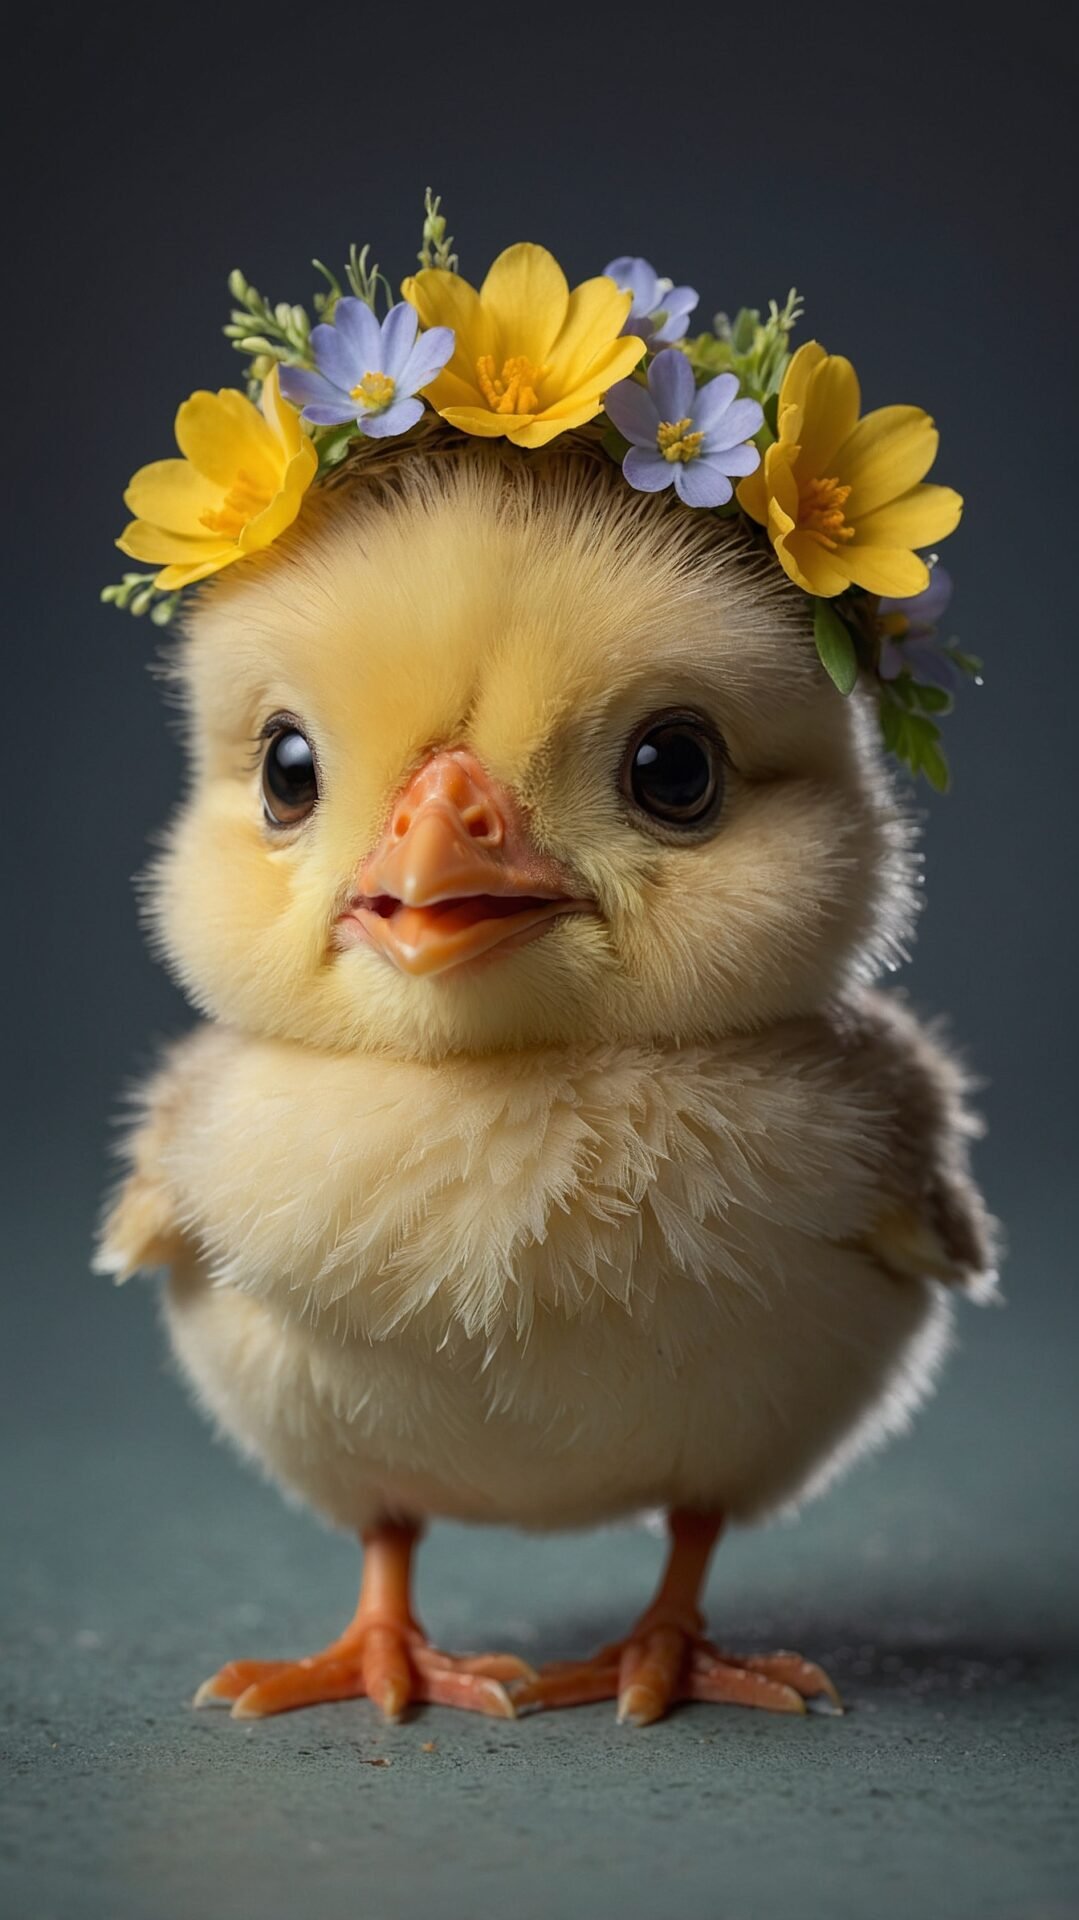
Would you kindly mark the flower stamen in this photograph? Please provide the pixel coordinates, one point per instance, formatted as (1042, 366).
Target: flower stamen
(244, 499)
(676, 442)
(821, 513)
(514, 390)
(374, 392)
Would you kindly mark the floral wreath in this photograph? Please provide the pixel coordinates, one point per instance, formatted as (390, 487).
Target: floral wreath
(732, 419)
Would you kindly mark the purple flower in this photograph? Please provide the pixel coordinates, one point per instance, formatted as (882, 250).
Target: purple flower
(367, 372)
(660, 313)
(694, 437)
(908, 636)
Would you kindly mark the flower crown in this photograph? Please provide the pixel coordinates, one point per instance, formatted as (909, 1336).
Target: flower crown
(731, 419)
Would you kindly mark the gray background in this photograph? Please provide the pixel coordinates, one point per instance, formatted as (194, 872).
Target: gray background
(910, 175)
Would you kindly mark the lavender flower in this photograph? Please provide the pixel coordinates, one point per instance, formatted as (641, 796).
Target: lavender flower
(367, 372)
(660, 313)
(908, 636)
(694, 437)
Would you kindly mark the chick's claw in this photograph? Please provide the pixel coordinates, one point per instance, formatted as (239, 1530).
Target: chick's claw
(392, 1667)
(664, 1664)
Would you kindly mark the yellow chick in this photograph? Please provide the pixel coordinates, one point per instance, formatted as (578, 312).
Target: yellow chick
(546, 1154)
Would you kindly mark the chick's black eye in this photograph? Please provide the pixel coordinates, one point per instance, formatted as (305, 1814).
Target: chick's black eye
(289, 780)
(673, 771)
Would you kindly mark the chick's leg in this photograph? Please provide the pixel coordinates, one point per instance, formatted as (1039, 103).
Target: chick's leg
(382, 1654)
(666, 1658)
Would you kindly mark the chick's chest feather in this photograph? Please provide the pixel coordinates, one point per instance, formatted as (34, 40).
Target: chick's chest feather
(539, 1288)
(362, 1192)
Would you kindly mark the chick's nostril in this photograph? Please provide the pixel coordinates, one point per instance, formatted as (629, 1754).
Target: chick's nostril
(402, 820)
(481, 825)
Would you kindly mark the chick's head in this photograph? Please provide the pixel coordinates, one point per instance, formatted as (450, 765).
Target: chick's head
(490, 751)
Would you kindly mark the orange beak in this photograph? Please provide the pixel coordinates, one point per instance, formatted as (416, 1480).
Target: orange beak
(455, 873)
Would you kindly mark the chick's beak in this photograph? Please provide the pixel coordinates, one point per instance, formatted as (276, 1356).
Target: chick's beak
(455, 874)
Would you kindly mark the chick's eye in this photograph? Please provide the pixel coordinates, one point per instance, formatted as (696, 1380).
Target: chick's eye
(673, 771)
(289, 780)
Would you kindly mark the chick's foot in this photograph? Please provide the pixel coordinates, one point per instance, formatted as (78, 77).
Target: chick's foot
(391, 1667)
(382, 1655)
(667, 1659)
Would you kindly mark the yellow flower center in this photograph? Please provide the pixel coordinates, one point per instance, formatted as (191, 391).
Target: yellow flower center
(820, 512)
(676, 442)
(374, 391)
(242, 502)
(894, 625)
(514, 390)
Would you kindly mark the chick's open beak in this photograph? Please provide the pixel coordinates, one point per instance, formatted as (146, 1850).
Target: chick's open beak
(455, 874)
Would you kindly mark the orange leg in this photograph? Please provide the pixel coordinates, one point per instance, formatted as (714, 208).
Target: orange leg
(666, 1657)
(382, 1654)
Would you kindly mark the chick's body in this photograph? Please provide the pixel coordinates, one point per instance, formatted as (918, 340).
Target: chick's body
(660, 1209)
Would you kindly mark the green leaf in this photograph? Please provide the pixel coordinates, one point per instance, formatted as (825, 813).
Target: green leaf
(835, 646)
(935, 766)
(901, 689)
(614, 444)
(932, 699)
(913, 738)
(743, 329)
(891, 724)
(966, 662)
(333, 445)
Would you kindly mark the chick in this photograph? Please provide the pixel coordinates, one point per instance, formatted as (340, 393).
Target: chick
(546, 1154)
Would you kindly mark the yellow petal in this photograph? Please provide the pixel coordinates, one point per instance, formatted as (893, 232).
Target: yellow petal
(445, 300)
(480, 420)
(611, 364)
(780, 523)
(143, 541)
(796, 379)
(286, 503)
(810, 565)
(220, 433)
(888, 452)
(829, 415)
(594, 318)
(547, 426)
(771, 482)
(170, 493)
(527, 297)
(448, 389)
(281, 416)
(782, 486)
(616, 361)
(916, 519)
(172, 577)
(887, 570)
(752, 495)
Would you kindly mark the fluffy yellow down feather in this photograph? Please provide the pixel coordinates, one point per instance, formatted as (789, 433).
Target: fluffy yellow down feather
(606, 1225)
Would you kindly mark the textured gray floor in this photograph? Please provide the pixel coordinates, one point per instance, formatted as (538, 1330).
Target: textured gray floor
(938, 1585)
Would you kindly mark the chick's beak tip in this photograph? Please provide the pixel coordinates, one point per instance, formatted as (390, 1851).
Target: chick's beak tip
(455, 873)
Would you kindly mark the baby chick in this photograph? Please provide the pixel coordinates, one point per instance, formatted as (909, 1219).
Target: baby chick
(546, 1154)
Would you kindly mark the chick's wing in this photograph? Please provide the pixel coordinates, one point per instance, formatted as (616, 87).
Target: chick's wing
(932, 1220)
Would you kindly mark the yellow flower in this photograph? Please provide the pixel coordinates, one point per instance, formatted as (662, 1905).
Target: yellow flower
(841, 496)
(531, 358)
(240, 484)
